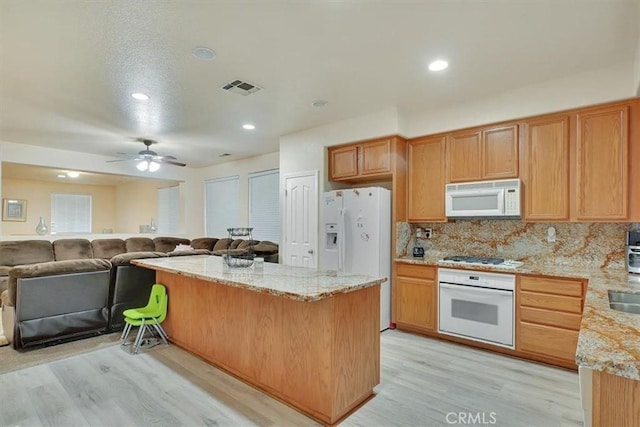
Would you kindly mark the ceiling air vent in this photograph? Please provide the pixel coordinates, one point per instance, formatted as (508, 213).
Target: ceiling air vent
(241, 88)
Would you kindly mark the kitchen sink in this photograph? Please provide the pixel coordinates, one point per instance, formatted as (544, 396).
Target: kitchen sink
(624, 301)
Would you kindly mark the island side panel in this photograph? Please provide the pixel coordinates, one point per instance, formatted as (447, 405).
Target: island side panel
(616, 400)
(286, 347)
(356, 348)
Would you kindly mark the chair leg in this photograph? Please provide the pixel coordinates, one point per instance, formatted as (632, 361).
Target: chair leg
(125, 333)
(139, 337)
(159, 329)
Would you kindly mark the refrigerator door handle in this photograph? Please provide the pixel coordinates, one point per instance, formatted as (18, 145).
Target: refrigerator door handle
(341, 239)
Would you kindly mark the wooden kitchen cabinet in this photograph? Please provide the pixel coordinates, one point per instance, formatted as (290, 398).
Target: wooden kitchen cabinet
(415, 299)
(363, 161)
(483, 154)
(549, 311)
(500, 153)
(463, 157)
(343, 162)
(602, 164)
(426, 179)
(546, 168)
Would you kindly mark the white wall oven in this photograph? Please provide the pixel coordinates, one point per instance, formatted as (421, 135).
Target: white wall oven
(477, 306)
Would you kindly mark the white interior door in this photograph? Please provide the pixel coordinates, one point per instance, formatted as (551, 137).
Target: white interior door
(301, 220)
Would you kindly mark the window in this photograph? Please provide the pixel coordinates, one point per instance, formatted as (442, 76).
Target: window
(264, 205)
(70, 213)
(168, 217)
(221, 205)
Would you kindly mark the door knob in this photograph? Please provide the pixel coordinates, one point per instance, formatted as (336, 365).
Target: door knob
(310, 251)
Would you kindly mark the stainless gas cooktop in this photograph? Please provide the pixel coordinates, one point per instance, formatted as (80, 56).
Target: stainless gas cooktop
(488, 261)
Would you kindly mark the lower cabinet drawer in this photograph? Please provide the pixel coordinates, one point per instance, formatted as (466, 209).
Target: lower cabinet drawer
(551, 302)
(550, 318)
(547, 341)
(416, 271)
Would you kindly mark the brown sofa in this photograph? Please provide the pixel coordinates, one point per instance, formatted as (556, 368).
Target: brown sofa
(70, 287)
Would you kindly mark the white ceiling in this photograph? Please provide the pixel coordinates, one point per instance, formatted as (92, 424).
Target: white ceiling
(68, 67)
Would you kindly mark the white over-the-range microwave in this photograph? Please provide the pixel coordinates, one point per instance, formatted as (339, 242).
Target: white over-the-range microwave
(484, 199)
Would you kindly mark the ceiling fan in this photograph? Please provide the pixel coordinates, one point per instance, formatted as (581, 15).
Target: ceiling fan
(149, 160)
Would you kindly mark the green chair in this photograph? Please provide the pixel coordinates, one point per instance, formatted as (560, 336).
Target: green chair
(148, 317)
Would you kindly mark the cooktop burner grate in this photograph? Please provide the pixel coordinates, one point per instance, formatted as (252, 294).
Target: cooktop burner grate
(475, 260)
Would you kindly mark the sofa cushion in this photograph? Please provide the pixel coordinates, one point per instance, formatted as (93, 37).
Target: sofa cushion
(222, 244)
(66, 249)
(246, 243)
(232, 252)
(265, 248)
(125, 259)
(140, 244)
(20, 252)
(52, 268)
(189, 252)
(236, 243)
(108, 248)
(204, 243)
(167, 244)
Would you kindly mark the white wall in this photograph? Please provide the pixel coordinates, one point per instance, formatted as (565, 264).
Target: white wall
(607, 84)
(242, 168)
(305, 151)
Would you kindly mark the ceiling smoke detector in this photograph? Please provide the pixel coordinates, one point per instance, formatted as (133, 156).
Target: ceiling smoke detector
(240, 87)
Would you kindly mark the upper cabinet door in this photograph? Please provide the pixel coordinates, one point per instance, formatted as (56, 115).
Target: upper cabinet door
(602, 155)
(343, 162)
(546, 168)
(464, 157)
(426, 179)
(376, 157)
(500, 153)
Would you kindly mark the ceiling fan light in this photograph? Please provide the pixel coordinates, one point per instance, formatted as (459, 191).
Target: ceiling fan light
(142, 165)
(154, 166)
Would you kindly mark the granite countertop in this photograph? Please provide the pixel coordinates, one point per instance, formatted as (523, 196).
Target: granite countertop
(609, 340)
(298, 283)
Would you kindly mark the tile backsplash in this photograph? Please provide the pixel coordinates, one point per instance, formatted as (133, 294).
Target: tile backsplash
(592, 245)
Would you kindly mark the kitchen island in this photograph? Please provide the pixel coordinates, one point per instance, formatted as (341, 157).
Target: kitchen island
(307, 337)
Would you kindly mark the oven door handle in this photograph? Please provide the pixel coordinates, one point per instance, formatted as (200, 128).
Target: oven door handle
(464, 288)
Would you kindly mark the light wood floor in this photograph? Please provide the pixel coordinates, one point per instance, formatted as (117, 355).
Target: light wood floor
(422, 381)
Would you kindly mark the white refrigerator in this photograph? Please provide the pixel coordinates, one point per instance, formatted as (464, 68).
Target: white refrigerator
(356, 237)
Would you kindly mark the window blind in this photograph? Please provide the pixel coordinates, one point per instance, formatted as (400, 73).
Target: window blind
(264, 205)
(168, 216)
(70, 213)
(221, 205)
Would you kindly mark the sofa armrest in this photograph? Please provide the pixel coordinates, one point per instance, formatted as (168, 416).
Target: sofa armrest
(52, 268)
(125, 259)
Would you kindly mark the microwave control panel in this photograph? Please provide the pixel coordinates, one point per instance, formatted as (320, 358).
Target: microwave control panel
(511, 196)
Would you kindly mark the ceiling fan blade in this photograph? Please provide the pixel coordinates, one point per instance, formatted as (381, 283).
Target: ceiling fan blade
(119, 160)
(171, 162)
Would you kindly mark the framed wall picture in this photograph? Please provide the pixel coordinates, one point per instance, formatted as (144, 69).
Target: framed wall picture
(14, 210)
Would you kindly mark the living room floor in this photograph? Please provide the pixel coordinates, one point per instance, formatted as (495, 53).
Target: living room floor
(423, 380)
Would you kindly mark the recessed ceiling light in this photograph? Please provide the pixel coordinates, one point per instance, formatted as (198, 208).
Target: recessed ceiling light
(319, 103)
(203, 53)
(60, 175)
(140, 96)
(73, 174)
(438, 65)
(224, 155)
(248, 126)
